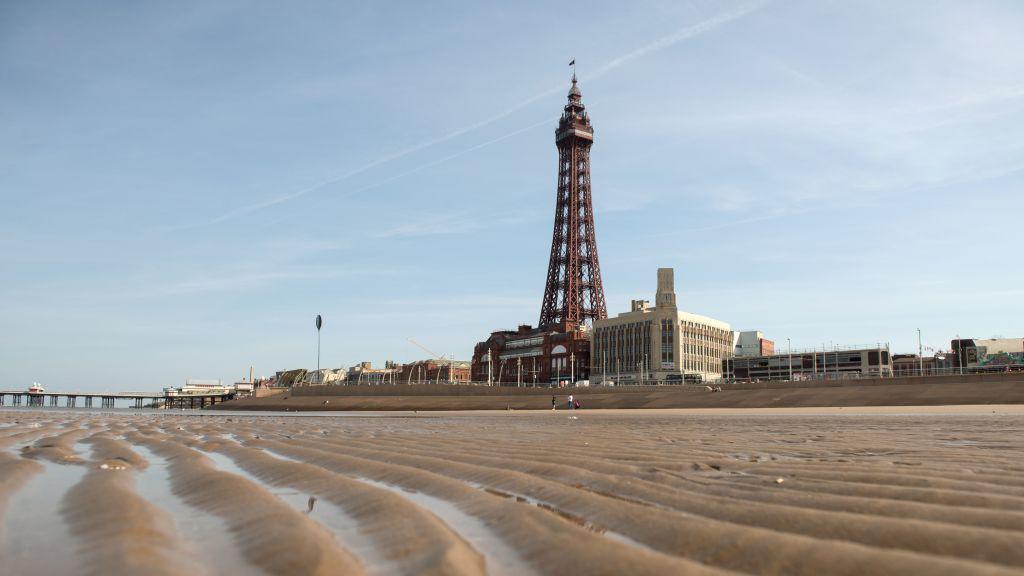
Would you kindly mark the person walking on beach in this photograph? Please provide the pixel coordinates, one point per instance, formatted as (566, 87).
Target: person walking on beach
(570, 401)
(552, 401)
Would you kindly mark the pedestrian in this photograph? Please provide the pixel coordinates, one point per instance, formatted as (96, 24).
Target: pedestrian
(570, 401)
(576, 405)
(552, 401)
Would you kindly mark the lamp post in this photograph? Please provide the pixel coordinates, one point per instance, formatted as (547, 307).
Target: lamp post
(572, 364)
(519, 372)
(960, 354)
(920, 355)
(789, 350)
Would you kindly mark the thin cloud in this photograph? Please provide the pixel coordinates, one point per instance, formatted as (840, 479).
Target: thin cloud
(658, 45)
(679, 36)
(236, 282)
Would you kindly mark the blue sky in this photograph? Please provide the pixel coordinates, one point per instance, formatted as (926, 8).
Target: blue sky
(186, 185)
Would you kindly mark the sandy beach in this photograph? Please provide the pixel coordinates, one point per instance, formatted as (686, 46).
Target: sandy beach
(879, 490)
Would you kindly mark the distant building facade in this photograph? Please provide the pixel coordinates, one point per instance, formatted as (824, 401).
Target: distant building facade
(434, 371)
(750, 343)
(813, 364)
(914, 365)
(365, 373)
(988, 355)
(551, 355)
(660, 343)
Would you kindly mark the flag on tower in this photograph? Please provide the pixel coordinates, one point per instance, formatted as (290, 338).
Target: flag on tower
(572, 62)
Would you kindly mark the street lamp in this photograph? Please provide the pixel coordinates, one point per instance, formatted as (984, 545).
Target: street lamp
(960, 353)
(789, 349)
(920, 355)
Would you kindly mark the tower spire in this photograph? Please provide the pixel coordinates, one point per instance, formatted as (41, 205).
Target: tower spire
(574, 293)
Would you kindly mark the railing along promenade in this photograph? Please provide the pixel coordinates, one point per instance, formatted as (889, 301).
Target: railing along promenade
(820, 380)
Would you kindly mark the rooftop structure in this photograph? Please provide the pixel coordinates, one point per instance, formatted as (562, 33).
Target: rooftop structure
(750, 343)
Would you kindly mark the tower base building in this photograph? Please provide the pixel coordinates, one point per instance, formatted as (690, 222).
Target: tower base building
(553, 355)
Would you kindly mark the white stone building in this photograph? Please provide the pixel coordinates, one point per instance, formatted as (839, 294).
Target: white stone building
(648, 345)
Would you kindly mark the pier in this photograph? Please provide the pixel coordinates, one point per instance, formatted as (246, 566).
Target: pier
(107, 399)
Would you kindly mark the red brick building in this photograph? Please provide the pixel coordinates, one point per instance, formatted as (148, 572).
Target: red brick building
(552, 355)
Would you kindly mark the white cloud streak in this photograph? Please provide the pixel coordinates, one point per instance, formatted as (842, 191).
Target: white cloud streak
(658, 45)
(678, 36)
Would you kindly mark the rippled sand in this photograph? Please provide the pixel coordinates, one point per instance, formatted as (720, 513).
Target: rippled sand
(668, 492)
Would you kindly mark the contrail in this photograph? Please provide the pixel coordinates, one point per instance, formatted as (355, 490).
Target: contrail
(394, 156)
(658, 45)
(679, 36)
(433, 163)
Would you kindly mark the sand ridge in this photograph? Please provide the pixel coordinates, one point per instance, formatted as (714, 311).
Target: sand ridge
(587, 492)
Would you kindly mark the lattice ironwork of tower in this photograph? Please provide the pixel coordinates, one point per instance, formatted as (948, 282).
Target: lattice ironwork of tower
(574, 293)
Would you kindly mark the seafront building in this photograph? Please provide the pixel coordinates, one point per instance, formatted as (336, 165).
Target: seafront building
(839, 362)
(988, 355)
(660, 343)
(433, 371)
(555, 354)
(914, 365)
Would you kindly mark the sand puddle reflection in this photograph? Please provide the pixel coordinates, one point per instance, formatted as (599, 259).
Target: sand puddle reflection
(206, 534)
(36, 539)
(579, 521)
(330, 516)
(501, 559)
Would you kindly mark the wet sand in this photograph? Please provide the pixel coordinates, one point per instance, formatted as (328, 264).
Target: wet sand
(880, 490)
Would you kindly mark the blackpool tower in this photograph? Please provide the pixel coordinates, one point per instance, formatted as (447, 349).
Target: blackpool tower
(573, 294)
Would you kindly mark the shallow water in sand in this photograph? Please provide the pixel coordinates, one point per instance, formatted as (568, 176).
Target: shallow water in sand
(618, 492)
(205, 535)
(328, 515)
(501, 558)
(37, 540)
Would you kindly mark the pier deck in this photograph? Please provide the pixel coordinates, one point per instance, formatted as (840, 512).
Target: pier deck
(107, 399)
